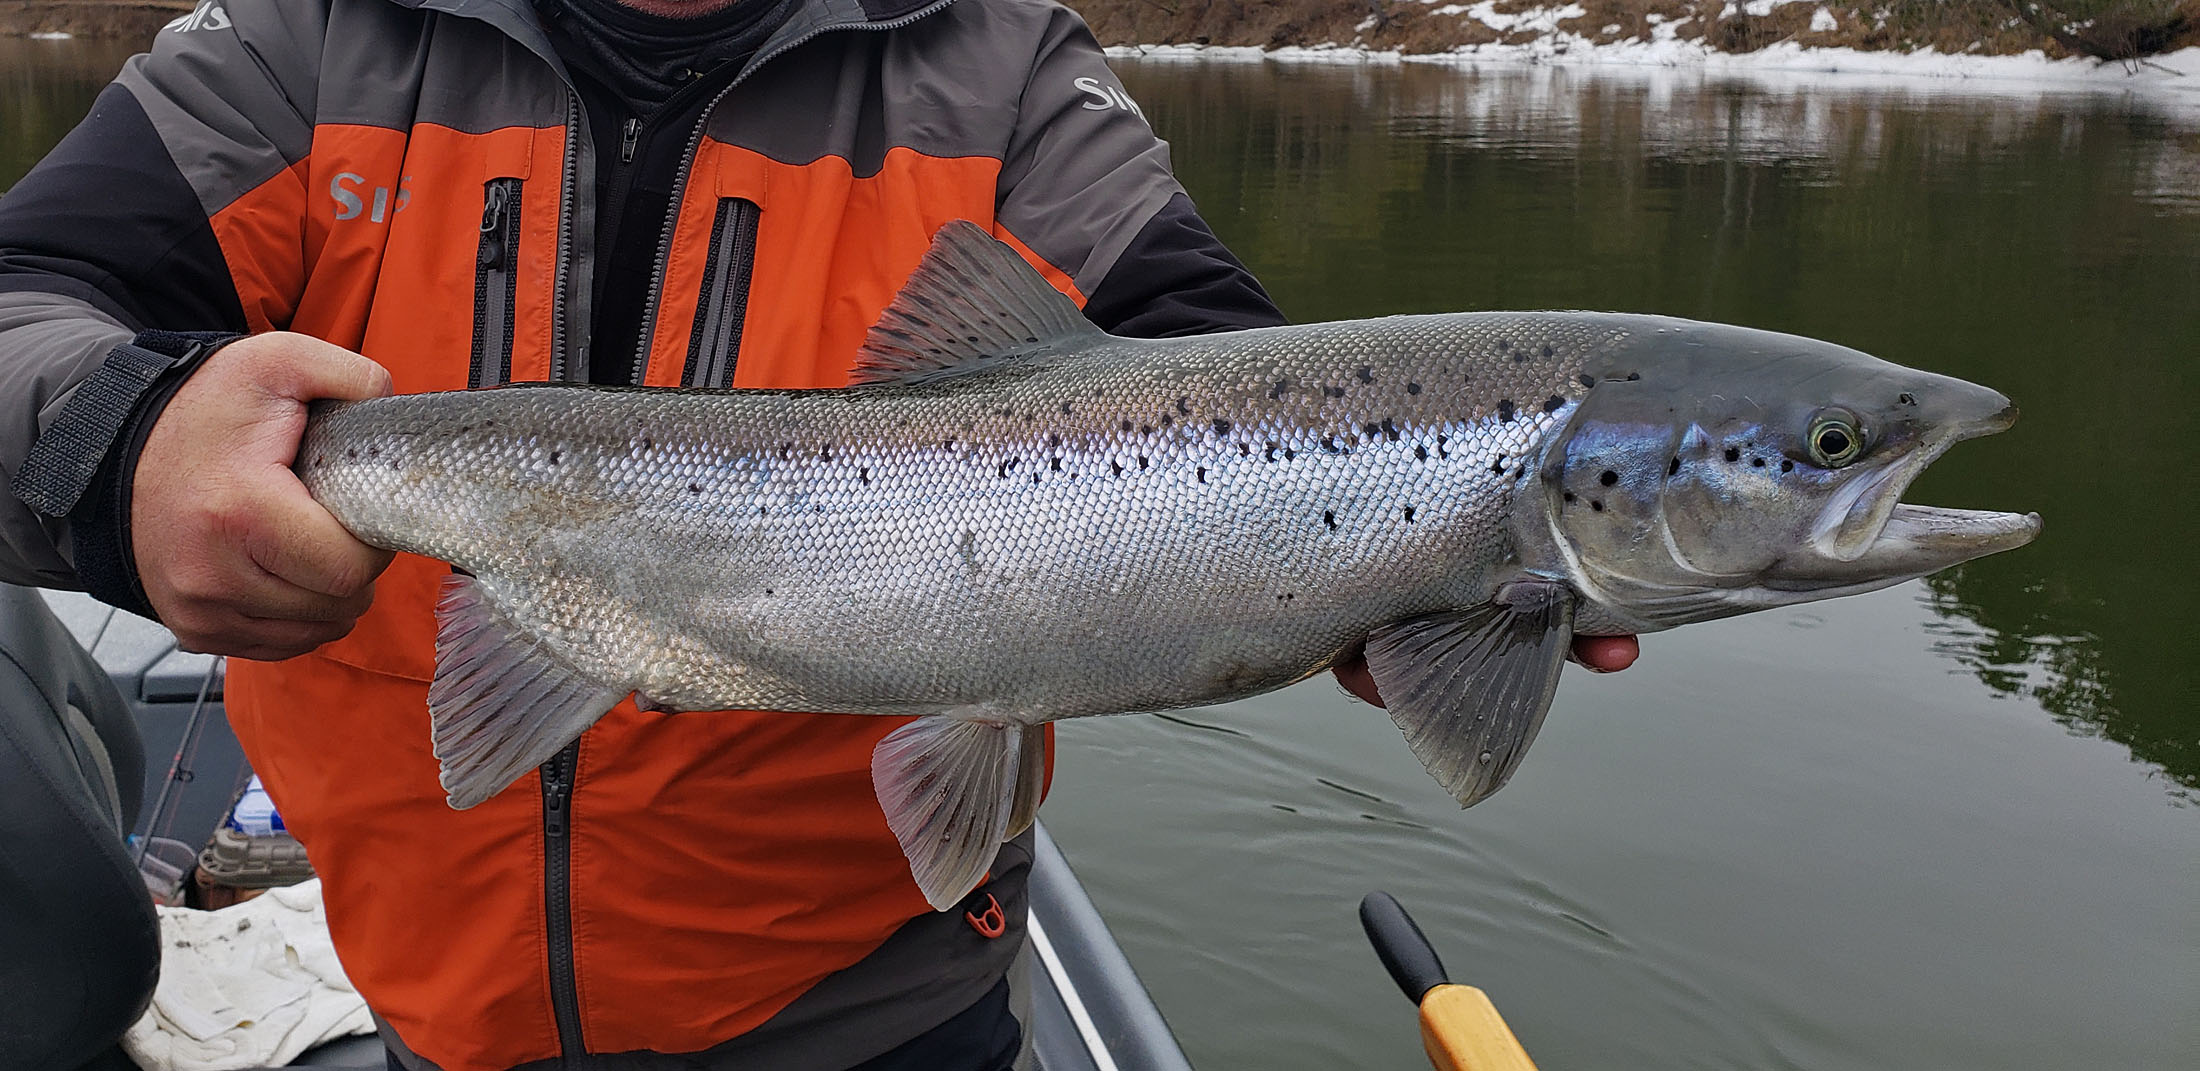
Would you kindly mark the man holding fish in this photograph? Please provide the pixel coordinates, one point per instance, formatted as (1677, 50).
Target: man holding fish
(338, 199)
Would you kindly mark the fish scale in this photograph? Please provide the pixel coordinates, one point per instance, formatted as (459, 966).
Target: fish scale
(1014, 518)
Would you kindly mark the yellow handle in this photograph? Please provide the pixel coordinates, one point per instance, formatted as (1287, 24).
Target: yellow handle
(1463, 1032)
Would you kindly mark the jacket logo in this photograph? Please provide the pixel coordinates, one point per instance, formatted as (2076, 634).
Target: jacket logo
(207, 16)
(1100, 97)
(351, 194)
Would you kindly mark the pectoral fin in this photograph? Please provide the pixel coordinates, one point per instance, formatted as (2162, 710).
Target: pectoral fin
(502, 702)
(949, 789)
(1470, 687)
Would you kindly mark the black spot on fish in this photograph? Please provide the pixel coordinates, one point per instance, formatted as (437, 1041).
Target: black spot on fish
(1673, 469)
(1390, 430)
(1055, 463)
(1498, 466)
(769, 591)
(1117, 466)
(1786, 465)
(1029, 417)
(1420, 453)
(1732, 454)
(1569, 496)
(1520, 471)
(1289, 453)
(1553, 404)
(1441, 442)
(1054, 441)
(1276, 391)
(1145, 429)
(1202, 474)
(970, 338)
(763, 511)
(1906, 398)
(1141, 461)
(1184, 404)
(1504, 344)
(1587, 380)
(1367, 374)
(648, 443)
(1034, 479)
(555, 456)
(1126, 425)
(1222, 427)
(1609, 478)
(824, 453)
(1505, 410)
(1329, 517)
(1329, 445)
(1002, 472)
(1167, 420)
(1065, 408)
(1596, 505)
(374, 451)
(864, 474)
(1757, 462)
(695, 489)
(1409, 514)
(1334, 392)
(1546, 349)
(786, 450)
(319, 460)
(1245, 449)
(1372, 429)
(1633, 376)
(1413, 388)
(1270, 453)
(947, 443)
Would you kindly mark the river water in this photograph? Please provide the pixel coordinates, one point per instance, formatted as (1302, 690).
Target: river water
(1950, 825)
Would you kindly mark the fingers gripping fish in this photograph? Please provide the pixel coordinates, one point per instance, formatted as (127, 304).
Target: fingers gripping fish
(1013, 518)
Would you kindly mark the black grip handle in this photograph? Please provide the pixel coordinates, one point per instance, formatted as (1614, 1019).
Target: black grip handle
(1405, 953)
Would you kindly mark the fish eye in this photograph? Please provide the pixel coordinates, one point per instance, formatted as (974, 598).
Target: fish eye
(1835, 439)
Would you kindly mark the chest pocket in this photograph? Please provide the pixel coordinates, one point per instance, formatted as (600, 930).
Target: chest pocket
(714, 341)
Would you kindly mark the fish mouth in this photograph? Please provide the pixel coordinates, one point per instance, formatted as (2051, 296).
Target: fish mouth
(1871, 532)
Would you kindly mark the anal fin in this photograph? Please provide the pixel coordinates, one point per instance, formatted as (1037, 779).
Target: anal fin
(502, 703)
(948, 788)
(1031, 782)
(1470, 687)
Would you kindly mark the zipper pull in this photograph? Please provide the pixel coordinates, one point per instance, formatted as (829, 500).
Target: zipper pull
(630, 139)
(553, 798)
(492, 227)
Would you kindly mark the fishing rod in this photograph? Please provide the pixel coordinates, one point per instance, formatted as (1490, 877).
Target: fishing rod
(180, 771)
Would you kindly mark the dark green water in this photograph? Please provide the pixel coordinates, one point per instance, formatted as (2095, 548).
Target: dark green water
(1949, 825)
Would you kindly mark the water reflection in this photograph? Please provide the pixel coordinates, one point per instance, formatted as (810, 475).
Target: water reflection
(45, 87)
(2047, 245)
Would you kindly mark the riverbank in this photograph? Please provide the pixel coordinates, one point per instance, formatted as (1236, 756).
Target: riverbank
(2121, 29)
(138, 19)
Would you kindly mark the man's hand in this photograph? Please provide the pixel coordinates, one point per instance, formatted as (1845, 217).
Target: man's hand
(1600, 654)
(234, 555)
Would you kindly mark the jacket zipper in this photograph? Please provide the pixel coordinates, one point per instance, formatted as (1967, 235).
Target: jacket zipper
(558, 781)
(495, 282)
(687, 164)
(570, 191)
(715, 343)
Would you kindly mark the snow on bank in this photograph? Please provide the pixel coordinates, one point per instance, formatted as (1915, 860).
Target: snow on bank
(2175, 75)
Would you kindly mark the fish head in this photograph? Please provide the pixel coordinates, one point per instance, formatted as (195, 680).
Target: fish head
(1712, 471)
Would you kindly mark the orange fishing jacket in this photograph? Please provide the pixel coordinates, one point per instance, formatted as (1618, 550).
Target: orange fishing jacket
(414, 180)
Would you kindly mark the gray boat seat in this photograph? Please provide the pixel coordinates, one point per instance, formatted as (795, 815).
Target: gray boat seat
(79, 942)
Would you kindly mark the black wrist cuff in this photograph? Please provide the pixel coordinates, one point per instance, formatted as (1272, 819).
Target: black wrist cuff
(81, 467)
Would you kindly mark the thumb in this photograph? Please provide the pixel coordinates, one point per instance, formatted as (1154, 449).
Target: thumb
(304, 368)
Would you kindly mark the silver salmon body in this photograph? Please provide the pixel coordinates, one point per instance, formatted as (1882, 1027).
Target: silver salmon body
(1015, 518)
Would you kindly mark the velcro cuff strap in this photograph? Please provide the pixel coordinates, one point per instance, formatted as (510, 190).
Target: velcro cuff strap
(67, 456)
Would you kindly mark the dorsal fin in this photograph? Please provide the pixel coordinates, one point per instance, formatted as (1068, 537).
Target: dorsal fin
(972, 304)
